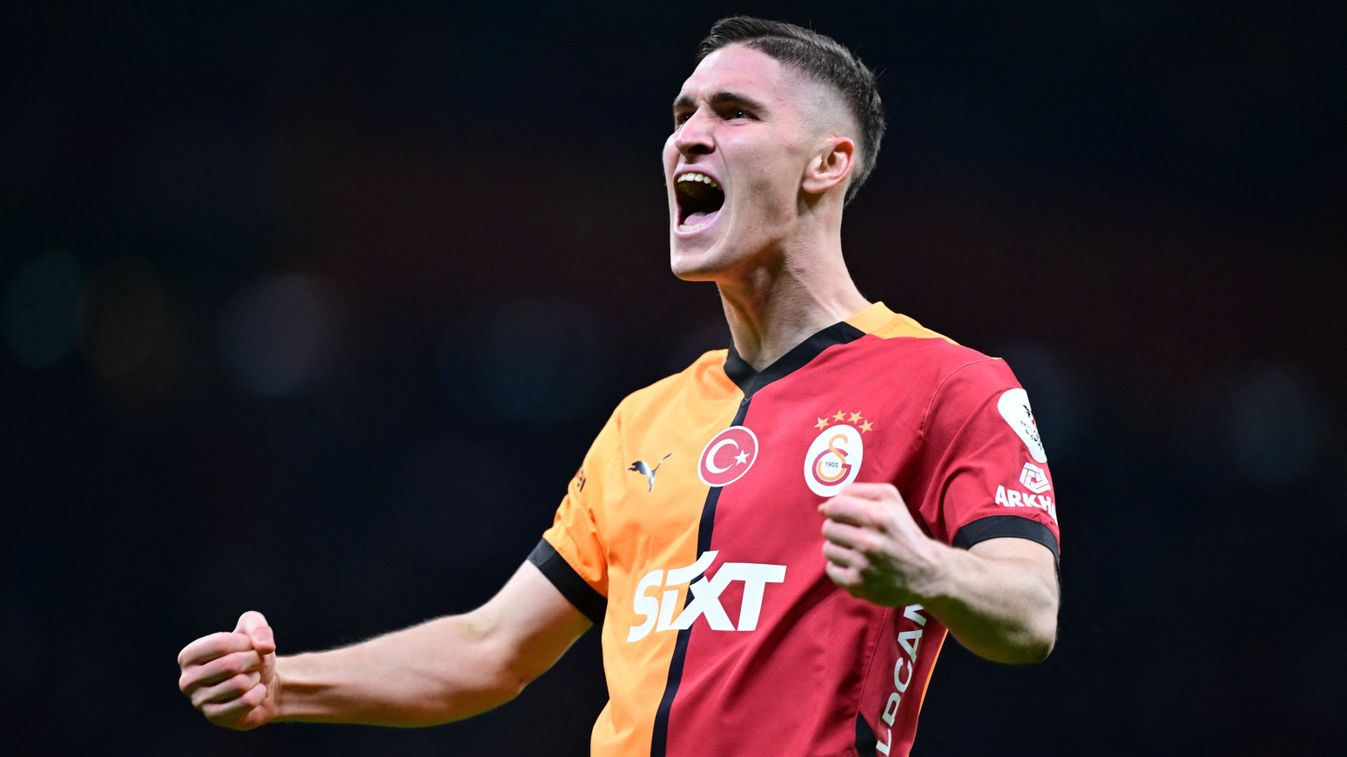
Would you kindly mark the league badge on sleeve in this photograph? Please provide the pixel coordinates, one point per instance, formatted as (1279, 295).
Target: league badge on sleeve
(1014, 407)
(834, 457)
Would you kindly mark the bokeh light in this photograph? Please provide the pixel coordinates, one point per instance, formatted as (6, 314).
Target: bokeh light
(277, 336)
(42, 307)
(533, 361)
(1277, 422)
(124, 317)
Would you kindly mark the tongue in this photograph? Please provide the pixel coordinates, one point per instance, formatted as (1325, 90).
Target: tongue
(698, 218)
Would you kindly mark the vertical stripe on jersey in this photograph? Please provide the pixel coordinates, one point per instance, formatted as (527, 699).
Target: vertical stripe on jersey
(659, 740)
(749, 381)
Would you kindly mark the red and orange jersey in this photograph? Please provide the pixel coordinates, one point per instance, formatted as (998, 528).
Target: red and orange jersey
(691, 532)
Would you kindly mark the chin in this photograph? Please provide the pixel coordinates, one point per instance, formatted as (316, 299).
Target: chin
(695, 265)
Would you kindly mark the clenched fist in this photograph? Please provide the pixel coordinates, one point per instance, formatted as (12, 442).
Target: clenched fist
(875, 550)
(231, 676)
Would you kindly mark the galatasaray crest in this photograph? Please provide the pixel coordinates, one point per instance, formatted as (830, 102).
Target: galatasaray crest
(834, 457)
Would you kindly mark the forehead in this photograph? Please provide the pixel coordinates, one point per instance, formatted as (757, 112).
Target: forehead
(740, 69)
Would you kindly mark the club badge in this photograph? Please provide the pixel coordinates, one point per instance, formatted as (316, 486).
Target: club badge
(834, 457)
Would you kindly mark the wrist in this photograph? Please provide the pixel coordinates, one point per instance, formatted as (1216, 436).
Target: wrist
(934, 583)
(278, 688)
(298, 689)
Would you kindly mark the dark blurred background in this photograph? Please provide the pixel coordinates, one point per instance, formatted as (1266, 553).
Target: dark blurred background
(314, 309)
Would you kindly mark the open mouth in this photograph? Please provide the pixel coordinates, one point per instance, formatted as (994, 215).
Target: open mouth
(699, 200)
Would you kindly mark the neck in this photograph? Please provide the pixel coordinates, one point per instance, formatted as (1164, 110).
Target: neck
(776, 305)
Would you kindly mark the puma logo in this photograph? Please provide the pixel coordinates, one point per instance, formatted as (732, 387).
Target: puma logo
(642, 467)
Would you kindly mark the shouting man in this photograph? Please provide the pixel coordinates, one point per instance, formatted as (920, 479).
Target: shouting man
(836, 491)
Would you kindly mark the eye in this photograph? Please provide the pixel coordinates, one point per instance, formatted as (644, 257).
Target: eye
(681, 118)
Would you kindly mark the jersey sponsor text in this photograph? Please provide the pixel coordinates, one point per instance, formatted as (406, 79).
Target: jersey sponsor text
(910, 641)
(1015, 498)
(705, 602)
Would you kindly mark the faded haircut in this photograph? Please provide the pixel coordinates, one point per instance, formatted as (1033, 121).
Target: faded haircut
(820, 58)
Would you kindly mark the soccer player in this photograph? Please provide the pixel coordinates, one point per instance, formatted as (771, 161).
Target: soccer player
(776, 540)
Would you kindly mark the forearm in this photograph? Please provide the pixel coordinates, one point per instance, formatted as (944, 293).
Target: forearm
(440, 671)
(997, 603)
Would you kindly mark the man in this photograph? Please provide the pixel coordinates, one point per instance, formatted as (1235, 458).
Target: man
(776, 539)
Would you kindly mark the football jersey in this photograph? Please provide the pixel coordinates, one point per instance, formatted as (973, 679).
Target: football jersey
(691, 532)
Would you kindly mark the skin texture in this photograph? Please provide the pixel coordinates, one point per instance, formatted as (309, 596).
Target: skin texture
(999, 598)
(446, 669)
(783, 150)
(784, 155)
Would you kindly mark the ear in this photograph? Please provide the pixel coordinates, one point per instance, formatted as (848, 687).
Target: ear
(830, 166)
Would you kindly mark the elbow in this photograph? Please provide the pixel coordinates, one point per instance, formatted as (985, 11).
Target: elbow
(1029, 646)
(1038, 637)
(1029, 641)
(512, 669)
(1038, 647)
(482, 675)
(511, 682)
(508, 676)
(1039, 634)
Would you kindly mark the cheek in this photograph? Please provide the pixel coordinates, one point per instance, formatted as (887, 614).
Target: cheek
(669, 155)
(772, 185)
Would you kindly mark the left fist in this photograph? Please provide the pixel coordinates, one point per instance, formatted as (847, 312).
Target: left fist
(875, 550)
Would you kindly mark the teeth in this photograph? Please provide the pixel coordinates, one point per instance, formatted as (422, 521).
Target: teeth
(695, 176)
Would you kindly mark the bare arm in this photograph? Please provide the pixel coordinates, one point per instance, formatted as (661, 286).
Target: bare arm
(442, 670)
(999, 598)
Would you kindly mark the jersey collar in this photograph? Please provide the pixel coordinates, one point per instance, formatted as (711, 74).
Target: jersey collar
(842, 332)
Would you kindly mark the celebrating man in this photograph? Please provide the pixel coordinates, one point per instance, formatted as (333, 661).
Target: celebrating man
(776, 540)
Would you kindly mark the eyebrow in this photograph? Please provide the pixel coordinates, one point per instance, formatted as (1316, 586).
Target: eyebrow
(721, 98)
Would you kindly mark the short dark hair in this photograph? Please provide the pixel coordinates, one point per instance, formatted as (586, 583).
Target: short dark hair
(821, 58)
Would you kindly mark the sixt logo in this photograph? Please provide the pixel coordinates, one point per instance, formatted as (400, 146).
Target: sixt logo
(659, 611)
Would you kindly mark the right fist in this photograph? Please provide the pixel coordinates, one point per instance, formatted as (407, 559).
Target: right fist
(231, 676)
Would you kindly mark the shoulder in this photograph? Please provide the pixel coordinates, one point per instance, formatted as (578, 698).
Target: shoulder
(704, 378)
(948, 381)
(930, 361)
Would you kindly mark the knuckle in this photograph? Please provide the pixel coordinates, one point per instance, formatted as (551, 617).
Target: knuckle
(218, 646)
(866, 543)
(253, 697)
(231, 665)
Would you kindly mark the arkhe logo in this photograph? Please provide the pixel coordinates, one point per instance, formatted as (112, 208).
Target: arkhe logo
(1015, 498)
(658, 611)
(1035, 479)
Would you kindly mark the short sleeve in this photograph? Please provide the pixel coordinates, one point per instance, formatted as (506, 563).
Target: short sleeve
(572, 553)
(986, 471)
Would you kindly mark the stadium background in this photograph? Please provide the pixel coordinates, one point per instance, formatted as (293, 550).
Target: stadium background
(314, 310)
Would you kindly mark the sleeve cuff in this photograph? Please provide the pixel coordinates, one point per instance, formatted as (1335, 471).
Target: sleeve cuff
(574, 588)
(997, 526)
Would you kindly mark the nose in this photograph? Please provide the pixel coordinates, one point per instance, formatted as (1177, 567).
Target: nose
(694, 136)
